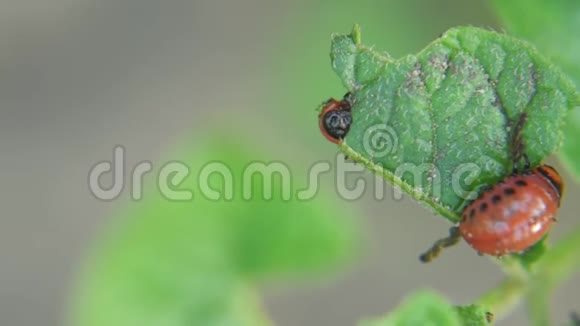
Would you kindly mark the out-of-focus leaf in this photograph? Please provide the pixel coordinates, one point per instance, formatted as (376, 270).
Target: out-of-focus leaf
(570, 152)
(474, 315)
(173, 263)
(553, 26)
(423, 308)
(438, 124)
(529, 257)
(555, 267)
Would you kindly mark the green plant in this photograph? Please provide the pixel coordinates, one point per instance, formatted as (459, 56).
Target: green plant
(197, 263)
(194, 262)
(452, 105)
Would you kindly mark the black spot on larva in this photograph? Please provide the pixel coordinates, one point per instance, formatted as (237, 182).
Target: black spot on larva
(471, 212)
(483, 207)
(521, 183)
(496, 199)
(509, 191)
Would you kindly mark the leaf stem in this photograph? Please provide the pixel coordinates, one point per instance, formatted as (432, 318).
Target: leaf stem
(556, 266)
(506, 296)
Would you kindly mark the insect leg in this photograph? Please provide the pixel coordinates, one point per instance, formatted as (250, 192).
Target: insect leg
(435, 250)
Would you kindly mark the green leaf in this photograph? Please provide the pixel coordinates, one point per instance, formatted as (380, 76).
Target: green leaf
(532, 255)
(423, 308)
(439, 124)
(552, 26)
(172, 263)
(474, 315)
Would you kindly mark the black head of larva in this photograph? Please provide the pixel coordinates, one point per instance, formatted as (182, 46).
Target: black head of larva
(335, 118)
(337, 123)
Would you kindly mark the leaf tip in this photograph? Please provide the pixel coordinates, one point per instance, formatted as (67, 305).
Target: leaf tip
(355, 35)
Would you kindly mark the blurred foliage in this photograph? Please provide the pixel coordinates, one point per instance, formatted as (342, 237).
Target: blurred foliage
(429, 309)
(555, 267)
(534, 284)
(190, 263)
(197, 263)
(553, 27)
(474, 315)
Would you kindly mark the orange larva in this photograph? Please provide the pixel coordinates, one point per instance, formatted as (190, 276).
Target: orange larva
(514, 214)
(335, 119)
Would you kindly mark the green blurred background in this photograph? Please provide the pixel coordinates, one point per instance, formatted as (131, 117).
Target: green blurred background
(198, 81)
